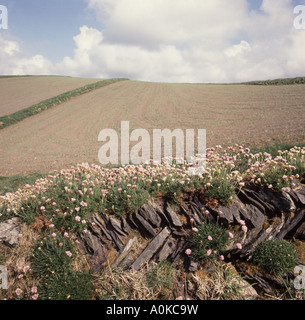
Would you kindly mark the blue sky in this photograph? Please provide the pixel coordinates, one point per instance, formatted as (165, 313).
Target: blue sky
(228, 40)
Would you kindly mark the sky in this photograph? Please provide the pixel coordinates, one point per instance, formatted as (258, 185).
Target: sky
(192, 41)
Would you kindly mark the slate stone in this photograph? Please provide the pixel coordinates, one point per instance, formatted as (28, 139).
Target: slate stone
(115, 237)
(124, 252)
(197, 218)
(148, 213)
(254, 239)
(172, 216)
(151, 248)
(300, 232)
(300, 193)
(293, 223)
(277, 200)
(229, 215)
(100, 226)
(166, 250)
(162, 215)
(125, 225)
(91, 241)
(180, 249)
(9, 231)
(249, 196)
(98, 259)
(117, 226)
(127, 262)
(142, 223)
(253, 216)
(193, 264)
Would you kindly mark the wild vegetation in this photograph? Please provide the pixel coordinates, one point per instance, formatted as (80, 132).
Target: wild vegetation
(56, 209)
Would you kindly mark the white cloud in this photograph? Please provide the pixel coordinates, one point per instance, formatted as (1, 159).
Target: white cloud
(181, 41)
(14, 62)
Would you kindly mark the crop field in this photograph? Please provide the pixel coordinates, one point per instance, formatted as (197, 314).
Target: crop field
(18, 93)
(67, 134)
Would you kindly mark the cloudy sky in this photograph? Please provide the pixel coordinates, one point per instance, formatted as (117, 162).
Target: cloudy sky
(154, 40)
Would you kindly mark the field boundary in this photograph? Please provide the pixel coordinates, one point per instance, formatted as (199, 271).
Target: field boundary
(20, 115)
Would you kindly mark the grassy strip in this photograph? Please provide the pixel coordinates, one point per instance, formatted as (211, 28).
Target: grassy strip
(8, 120)
(283, 81)
(13, 183)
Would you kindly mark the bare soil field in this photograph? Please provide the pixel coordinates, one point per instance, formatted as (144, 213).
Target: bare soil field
(67, 134)
(18, 93)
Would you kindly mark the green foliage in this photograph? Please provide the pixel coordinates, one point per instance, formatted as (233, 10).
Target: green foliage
(276, 256)
(28, 211)
(67, 286)
(162, 275)
(282, 81)
(124, 199)
(200, 242)
(50, 256)
(46, 104)
(274, 176)
(221, 189)
(12, 183)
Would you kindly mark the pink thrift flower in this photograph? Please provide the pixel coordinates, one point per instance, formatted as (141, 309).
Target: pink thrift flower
(42, 208)
(53, 235)
(66, 235)
(179, 298)
(188, 251)
(77, 209)
(60, 244)
(83, 221)
(242, 222)
(239, 246)
(18, 291)
(210, 238)
(221, 257)
(231, 235)
(51, 225)
(77, 218)
(83, 204)
(26, 269)
(34, 289)
(195, 229)
(69, 254)
(35, 296)
(244, 229)
(73, 199)
(209, 252)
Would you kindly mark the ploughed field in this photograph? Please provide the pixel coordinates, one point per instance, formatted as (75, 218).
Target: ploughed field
(67, 134)
(21, 92)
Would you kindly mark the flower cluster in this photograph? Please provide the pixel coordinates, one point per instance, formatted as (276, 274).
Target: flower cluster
(69, 196)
